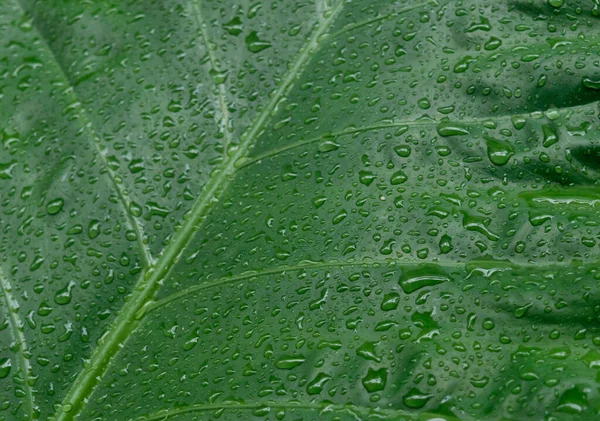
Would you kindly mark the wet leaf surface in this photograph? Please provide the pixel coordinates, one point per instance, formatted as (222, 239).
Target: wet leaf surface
(285, 210)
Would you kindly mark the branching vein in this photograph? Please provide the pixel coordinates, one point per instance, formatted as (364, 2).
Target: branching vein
(94, 138)
(222, 93)
(128, 318)
(400, 124)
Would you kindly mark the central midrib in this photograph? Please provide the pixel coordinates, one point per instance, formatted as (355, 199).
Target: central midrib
(127, 320)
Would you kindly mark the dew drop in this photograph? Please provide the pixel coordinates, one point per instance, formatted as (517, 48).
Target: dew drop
(55, 206)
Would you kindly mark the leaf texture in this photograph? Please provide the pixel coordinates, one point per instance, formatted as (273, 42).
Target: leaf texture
(324, 209)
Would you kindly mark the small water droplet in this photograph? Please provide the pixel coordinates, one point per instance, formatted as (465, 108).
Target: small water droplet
(451, 129)
(375, 380)
(255, 44)
(288, 362)
(5, 367)
(550, 136)
(498, 151)
(55, 206)
(63, 296)
(425, 276)
(6, 170)
(234, 26)
(416, 399)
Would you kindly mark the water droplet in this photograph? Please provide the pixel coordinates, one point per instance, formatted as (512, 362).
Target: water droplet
(498, 151)
(416, 399)
(367, 351)
(403, 151)
(136, 166)
(234, 26)
(319, 201)
(366, 177)
(288, 362)
(328, 146)
(6, 170)
(399, 177)
(591, 83)
(446, 244)
(425, 276)
(550, 136)
(218, 77)
(390, 301)
(482, 25)
(255, 44)
(463, 64)
(480, 382)
(518, 122)
(63, 296)
(492, 44)
(94, 228)
(451, 129)
(479, 224)
(339, 217)
(573, 401)
(375, 380)
(5, 366)
(315, 386)
(55, 206)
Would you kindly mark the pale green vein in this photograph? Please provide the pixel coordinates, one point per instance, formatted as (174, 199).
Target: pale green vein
(324, 408)
(222, 93)
(402, 124)
(133, 221)
(127, 320)
(560, 46)
(94, 138)
(254, 274)
(320, 8)
(12, 306)
(371, 263)
(366, 22)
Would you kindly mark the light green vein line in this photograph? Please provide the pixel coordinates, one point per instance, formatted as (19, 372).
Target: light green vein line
(93, 137)
(133, 221)
(397, 13)
(12, 306)
(222, 93)
(354, 26)
(310, 265)
(321, 407)
(253, 274)
(402, 124)
(128, 318)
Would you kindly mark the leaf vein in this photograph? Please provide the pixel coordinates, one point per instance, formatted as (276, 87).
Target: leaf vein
(93, 137)
(396, 124)
(128, 319)
(307, 265)
(222, 94)
(324, 407)
(11, 305)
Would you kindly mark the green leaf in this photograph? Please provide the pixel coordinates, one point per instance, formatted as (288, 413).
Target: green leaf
(285, 209)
